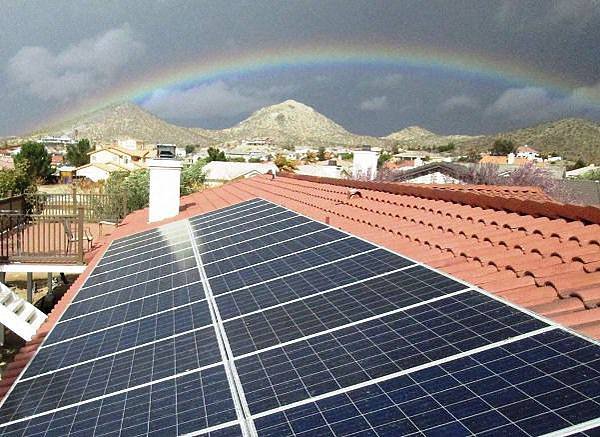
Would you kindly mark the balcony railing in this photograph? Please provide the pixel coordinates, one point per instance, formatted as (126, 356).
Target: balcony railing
(42, 238)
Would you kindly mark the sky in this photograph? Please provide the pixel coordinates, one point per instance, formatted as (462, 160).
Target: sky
(373, 66)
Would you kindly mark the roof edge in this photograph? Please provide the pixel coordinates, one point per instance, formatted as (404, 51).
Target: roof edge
(552, 209)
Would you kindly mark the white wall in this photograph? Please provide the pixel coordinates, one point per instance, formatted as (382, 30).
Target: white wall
(365, 163)
(93, 173)
(433, 178)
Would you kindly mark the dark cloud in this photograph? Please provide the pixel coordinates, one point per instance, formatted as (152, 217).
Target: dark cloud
(56, 55)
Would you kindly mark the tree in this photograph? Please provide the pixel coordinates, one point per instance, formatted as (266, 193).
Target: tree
(192, 178)
(502, 147)
(321, 153)
(383, 158)
(395, 149)
(215, 154)
(447, 148)
(78, 154)
(471, 156)
(16, 180)
(580, 163)
(311, 157)
(37, 157)
(284, 164)
(189, 149)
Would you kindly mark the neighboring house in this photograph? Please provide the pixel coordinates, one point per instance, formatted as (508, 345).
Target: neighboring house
(528, 153)
(99, 171)
(434, 173)
(63, 140)
(329, 169)
(220, 172)
(113, 158)
(580, 171)
(65, 173)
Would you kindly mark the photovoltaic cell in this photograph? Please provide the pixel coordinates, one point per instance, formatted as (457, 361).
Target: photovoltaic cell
(177, 406)
(188, 279)
(176, 319)
(276, 250)
(533, 386)
(110, 374)
(379, 347)
(336, 308)
(119, 338)
(321, 278)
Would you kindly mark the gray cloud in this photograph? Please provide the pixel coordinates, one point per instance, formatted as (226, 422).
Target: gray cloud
(374, 103)
(78, 70)
(534, 104)
(461, 103)
(388, 81)
(217, 99)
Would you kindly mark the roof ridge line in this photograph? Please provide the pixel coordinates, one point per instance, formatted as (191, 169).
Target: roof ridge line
(550, 209)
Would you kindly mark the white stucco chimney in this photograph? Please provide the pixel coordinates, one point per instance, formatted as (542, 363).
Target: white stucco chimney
(510, 158)
(165, 176)
(364, 164)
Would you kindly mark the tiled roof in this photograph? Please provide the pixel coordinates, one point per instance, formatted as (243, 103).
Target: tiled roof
(513, 242)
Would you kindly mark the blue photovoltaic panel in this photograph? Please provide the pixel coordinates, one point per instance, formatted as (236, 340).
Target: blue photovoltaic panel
(110, 374)
(185, 404)
(375, 348)
(121, 337)
(328, 335)
(336, 308)
(534, 386)
(253, 239)
(288, 265)
(188, 279)
(277, 250)
(320, 278)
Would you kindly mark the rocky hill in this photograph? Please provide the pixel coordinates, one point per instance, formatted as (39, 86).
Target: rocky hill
(293, 123)
(418, 137)
(571, 138)
(126, 120)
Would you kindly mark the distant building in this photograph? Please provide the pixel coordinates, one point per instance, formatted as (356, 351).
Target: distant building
(434, 173)
(528, 153)
(253, 142)
(105, 161)
(326, 169)
(220, 172)
(63, 140)
(580, 171)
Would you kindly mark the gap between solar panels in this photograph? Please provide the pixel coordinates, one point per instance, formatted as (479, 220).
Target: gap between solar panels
(278, 324)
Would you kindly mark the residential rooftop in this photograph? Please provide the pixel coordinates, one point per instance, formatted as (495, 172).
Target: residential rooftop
(511, 241)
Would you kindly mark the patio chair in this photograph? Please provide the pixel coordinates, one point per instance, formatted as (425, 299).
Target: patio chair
(72, 238)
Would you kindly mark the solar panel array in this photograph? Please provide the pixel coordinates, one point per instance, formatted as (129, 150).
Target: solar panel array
(256, 320)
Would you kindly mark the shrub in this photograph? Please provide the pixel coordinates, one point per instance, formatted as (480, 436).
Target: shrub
(192, 178)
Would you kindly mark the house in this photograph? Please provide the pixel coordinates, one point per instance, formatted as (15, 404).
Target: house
(107, 160)
(51, 141)
(328, 169)
(580, 171)
(434, 173)
(528, 153)
(6, 162)
(220, 172)
(416, 324)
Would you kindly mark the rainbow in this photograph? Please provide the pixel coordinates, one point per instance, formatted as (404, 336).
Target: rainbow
(197, 71)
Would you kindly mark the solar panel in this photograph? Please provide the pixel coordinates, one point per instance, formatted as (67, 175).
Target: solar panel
(253, 319)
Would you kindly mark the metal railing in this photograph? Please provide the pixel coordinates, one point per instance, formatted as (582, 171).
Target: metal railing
(57, 238)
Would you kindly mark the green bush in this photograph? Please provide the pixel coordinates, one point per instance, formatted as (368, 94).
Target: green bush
(192, 178)
(17, 180)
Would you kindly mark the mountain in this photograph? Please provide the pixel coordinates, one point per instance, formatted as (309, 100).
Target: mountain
(571, 138)
(127, 120)
(416, 136)
(293, 123)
